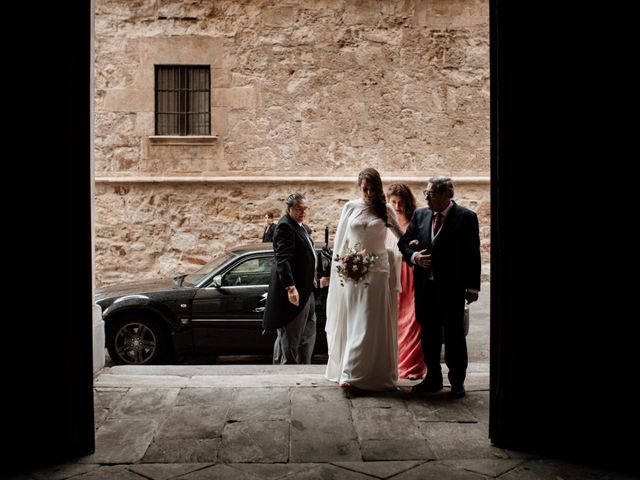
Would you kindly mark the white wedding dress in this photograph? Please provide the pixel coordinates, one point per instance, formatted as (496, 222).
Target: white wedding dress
(362, 322)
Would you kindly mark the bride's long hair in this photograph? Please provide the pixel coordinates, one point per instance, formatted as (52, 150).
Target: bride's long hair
(379, 204)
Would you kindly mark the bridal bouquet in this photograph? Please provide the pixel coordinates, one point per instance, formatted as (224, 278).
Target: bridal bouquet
(354, 264)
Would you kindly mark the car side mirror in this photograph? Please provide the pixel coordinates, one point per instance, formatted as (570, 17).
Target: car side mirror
(217, 281)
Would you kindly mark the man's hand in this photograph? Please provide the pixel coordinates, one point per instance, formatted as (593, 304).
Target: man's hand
(423, 259)
(294, 297)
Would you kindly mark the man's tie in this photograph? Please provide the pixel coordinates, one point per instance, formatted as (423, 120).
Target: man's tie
(437, 222)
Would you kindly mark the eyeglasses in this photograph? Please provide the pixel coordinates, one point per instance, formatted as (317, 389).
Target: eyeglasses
(428, 194)
(301, 210)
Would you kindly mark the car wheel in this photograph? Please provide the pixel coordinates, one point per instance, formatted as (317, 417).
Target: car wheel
(137, 339)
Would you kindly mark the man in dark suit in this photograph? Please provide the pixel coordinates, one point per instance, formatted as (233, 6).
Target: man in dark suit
(267, 235)
(446, 273)
(292, 281)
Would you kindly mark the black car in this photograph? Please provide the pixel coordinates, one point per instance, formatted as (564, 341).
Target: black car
(214, 311)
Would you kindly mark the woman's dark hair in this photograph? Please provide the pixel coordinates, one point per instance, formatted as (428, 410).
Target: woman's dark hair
(372, 177)
(406, 195)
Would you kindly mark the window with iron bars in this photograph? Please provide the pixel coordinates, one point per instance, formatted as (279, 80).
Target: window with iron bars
(183, 99)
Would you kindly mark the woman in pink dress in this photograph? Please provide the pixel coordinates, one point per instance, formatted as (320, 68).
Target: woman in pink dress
(410, 358)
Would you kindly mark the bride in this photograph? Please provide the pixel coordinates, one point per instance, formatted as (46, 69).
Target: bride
(362, 320)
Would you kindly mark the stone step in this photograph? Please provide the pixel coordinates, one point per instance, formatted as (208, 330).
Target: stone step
(236, 376)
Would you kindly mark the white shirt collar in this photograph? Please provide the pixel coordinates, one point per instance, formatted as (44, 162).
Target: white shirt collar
(445, 212)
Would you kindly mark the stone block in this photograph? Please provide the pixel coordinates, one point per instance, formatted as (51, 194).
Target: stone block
(255, 442)
(451, 13)
(122, 440)
(409, 449)
(324, 411)
(279, 16)
(219, 121)
(129, 100)
(450, 440)
(236, 97)
(145, 401)
(178, 450)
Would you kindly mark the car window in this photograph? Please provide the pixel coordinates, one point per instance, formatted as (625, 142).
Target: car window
(192, 279)
(255, 271)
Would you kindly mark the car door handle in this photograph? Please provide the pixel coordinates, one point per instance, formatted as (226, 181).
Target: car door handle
(259, 309)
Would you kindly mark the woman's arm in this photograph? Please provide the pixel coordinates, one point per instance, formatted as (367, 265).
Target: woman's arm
(392, 221)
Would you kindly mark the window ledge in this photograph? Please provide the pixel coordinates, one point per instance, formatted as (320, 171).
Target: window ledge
(182, 140)
(102, 178)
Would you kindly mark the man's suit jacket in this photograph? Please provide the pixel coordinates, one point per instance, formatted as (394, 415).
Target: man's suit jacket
(455, 252)
(267, 236)
(294, 265)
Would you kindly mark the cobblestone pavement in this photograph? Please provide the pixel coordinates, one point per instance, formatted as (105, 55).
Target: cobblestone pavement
(268, 422)
(241, 418)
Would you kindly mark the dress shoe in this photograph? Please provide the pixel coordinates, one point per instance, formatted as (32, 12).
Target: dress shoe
(427, 387)
(457, 391)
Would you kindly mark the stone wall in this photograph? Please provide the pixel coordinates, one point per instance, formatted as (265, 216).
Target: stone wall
(151, 231)
(299, 88)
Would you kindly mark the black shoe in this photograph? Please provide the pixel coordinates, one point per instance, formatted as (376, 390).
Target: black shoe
(457, 391)
(427, 387)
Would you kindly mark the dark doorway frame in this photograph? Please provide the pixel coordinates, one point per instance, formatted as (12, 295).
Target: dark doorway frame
(561, 330)
(49, 417)
(549, 368)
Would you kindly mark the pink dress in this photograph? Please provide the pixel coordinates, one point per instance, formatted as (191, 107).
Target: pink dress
(410, 358)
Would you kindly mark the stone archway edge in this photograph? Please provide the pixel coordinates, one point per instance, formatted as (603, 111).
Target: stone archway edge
(276, 179)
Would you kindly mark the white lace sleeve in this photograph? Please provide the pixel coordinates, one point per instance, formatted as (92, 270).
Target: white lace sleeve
(394, 225)
(395, 257)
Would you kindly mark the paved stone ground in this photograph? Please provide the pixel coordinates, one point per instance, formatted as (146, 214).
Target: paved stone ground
(250, 422)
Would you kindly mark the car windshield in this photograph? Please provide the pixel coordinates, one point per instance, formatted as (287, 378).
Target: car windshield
(193, 279)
